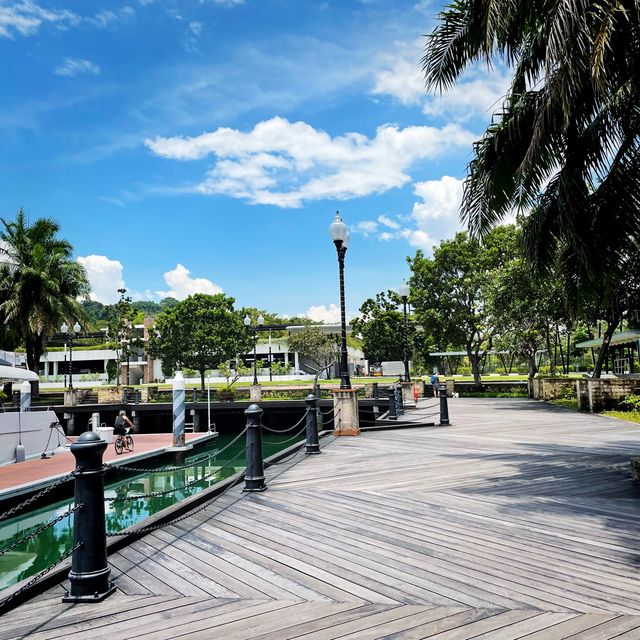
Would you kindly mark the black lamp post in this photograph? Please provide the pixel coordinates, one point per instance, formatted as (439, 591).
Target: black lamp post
(404, 294)
(340, 236)
(247, 323)
(64, 329)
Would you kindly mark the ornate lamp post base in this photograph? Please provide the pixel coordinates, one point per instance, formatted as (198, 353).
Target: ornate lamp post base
(346, 417)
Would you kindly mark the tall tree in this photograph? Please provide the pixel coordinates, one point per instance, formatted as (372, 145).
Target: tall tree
(380, 326)
(450, 291)
(40, 282)
(314, 345)
(565, 147)
(200, 332)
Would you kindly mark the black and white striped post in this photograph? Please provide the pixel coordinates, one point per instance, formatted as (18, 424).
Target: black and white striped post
(444, 407)
(254, 476)
(312, 445)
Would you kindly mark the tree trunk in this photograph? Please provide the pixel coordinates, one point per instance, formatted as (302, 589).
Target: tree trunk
(533, 369)
(35, 348)
(552, 364)
(603, 354)
(475, 367)
(202, 387)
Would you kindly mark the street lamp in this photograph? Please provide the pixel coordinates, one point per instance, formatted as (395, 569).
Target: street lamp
(404, 294)
(247, 323)
(64, 329)
(340, 236)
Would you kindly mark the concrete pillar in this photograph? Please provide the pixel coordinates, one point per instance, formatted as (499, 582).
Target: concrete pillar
(345, 404)
(407, 395)
(55, 367)
(255, 393)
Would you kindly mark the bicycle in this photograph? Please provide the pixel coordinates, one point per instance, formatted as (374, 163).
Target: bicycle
(121, 441)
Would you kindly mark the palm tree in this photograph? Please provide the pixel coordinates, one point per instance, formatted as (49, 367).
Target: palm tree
(40, 282)
(565, 146)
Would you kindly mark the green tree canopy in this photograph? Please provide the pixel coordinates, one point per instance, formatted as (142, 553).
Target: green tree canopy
(313, 344)
(40, 282)
(199, 333)
(380, 325)
(450, 291)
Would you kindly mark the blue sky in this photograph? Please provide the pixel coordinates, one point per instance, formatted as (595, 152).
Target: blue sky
(205, 145)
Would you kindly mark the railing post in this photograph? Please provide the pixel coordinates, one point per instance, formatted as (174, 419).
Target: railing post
(89, 575)
(312, 446)
(444, 407)
(375, 390)
(400, 409)
(393, 413)
(254, 476)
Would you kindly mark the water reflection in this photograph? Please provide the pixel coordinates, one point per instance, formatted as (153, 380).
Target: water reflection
(124, 506)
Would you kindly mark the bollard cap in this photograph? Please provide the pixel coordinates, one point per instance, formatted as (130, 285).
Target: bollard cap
(310, 399)
(178, 381)
(88, 437)
(252, 410)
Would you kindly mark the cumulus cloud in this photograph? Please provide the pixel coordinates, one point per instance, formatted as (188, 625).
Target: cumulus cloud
(75, 66)
(284, 164)
(322, 313)
(388, 222)
(26, 17)
(440, 199)
(181, 284)
(366, 227)
(105, 277)
(477, 92)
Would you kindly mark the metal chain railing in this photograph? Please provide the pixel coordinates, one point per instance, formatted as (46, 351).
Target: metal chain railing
(35, 497)
(326, 413)
(38, 576)
(157, 494)
(193, 463)
(34, 534)
(291, 439)
(190, 513)
(280, 431)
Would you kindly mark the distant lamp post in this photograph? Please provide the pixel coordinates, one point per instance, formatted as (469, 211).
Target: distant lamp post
(404, 294)
(64, 329)
(340, 236)
(247, 323)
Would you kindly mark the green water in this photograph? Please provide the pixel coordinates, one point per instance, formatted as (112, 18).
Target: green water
(43, 550)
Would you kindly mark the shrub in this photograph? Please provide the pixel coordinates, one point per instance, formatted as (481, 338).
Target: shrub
(630, 403)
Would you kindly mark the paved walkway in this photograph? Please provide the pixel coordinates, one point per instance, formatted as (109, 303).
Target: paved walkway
(35, 473)
(520, 521)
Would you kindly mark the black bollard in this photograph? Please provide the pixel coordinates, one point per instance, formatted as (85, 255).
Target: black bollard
(393, 412)
(400, 401)
(89, 575)
(254, 476)
(375, 390)
(313, 446)
(444, 407)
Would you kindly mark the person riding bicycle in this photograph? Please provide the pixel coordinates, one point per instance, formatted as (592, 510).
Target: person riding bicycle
(119, 428)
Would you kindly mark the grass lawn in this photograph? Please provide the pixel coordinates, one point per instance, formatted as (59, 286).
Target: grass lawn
(568, 403)
(629, 416)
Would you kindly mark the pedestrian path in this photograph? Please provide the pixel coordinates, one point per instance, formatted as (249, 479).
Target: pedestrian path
(519, 521)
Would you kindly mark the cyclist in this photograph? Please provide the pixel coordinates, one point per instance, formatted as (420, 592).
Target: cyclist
(119, 428)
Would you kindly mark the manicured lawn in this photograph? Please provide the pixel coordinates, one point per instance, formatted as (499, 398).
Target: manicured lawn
(568, 403)
(629, 416)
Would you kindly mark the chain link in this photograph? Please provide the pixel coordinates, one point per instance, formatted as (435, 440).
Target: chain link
(326, 413)
(128, 469)
(291, 439)
(38, 576)
(280, 431)
(37, 532)
(190, 513)
(37, 496)
(157, 494)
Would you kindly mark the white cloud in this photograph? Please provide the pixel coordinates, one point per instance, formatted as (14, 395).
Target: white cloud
(105, 277)
(440, 199)
(74, 66)
(477, 92)
(26, 17)
(321, 313)
(196, 27)
(228, 3)
(284, 164)
(388, 222)
(181, 284)
(365, 227)
(107, 18)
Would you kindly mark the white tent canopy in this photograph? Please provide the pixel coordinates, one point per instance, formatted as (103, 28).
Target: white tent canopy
(12, 374)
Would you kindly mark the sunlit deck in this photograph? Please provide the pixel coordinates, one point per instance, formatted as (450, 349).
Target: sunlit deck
(520, 520)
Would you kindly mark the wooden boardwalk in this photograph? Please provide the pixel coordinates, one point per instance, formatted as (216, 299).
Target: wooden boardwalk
(520, 521)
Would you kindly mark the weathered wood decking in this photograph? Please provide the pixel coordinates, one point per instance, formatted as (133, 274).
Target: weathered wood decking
(520, 521)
